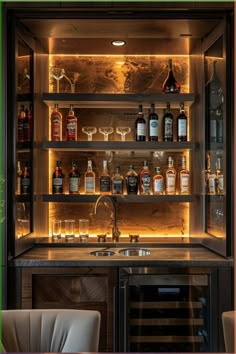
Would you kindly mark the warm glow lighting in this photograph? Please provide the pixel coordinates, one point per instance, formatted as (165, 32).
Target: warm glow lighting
(118, 43)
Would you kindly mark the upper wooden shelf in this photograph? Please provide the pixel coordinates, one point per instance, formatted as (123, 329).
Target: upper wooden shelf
(90, 100)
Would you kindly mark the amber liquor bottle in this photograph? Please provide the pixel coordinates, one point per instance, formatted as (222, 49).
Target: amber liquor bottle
(18, 178)
(145, 179)
(105, 180)
(219, 177)
(56, 124)
(74, 179)
(182, 124)
(153, 124)
(57, 179)
(132, 181)
(117, 182)
(184, 178)
(170, 177)
(158, 182)
(25, 179)
(140, 125)
(168, 124)
(71, 125)
(89, 179)
(170, 85)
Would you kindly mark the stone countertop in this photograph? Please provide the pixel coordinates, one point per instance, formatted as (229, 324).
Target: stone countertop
(159, 256)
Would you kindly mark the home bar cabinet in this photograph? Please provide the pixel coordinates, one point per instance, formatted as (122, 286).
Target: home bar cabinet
(158, 275)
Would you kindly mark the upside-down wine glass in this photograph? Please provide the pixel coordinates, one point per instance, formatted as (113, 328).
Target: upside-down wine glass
(106, 131)
(123, 131)
(57, 74)
(89, 131)
(72, 77)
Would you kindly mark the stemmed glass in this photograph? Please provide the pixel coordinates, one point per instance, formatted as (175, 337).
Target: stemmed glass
(57, 74)
(25, 79)
(72, 77)
(89, 131)
(123, 131)
(106, 131)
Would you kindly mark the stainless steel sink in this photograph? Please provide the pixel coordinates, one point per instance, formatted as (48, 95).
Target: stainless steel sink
(135, 252)
(102, 253)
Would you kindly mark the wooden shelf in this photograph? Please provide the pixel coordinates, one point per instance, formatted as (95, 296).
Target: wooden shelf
(86, 198)
(116, 145)
(90, 100)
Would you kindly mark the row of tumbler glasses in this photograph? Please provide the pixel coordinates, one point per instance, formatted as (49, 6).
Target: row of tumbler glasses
(106, 131)
(70, 229)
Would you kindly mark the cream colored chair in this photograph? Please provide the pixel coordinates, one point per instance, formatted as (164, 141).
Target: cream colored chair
(50, 330)
(228, 320)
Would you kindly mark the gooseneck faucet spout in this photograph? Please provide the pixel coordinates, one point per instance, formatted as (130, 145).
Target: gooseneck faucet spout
(115, 230)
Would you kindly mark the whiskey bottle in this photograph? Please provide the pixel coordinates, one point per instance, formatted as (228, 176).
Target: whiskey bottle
(56, 124)
(74, 179)
(25, 179)
(132, 181)
(184, 178)
(89, 179)
(71, 125)
(207, 172)
(158, 182)
(211, 178)
(20, 124)
(117, 182)
(145, 179)
(105, 180)
(170, 85)
(18, 178)
(168, 124)
(57, 179)
(170, 177)
(182, 124)
(219, 177)
(140, 125)
(153, 124)
(27, 125)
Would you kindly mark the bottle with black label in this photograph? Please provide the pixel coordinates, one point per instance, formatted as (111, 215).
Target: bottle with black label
(182, 124)
(168, 124)
(153, 124)
(74, 179)
(105, 180)
(57, 179)
(25, 179)
(132, 181)
(140, 125)
(117, 182)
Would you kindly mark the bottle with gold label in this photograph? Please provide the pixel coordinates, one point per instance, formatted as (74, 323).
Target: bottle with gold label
(170, 177)
(158, 182)
(89, 179)
(184, 180)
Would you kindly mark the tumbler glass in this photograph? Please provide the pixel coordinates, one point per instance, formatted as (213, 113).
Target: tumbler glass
(83, 230)
(69, 229)
(56, 229)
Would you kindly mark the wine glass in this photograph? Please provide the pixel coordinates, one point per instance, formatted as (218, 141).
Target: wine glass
(89, 131)
(123, 131)
(106, 131)
(72, 77)
(57, 74)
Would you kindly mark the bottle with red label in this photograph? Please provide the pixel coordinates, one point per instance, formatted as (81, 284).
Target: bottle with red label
(71, 125)
(56, 124)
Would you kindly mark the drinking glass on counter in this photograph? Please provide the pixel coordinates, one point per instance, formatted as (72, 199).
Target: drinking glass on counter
(123, 131)
(69, 229)
(83, 230)
(89, 131)
(56, 229)
(106, 131)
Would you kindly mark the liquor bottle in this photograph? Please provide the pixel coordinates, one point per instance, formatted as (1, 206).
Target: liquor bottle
(25, 179)
(153, 124)
(74, 179)
(170, 85)
(170, 177)
(18, 178)
(56, 124)
(89, 179)
(57, 179)
(71, 125)
(168, 124)
(140, 125)
(211, 186)
(219, 125)
(182, 124)
(105, 180)
(207, 172)
(145, 179)
(158, 181)
(213, 126)
(214, 89)
(20, 124)
(184, 178)
(132, 181)
(27, 125)
(219, 177)
(117, 182)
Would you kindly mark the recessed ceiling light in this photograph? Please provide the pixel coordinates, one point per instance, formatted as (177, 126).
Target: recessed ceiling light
(118, 43)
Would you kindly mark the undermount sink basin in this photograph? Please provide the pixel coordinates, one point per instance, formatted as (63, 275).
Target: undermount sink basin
(102, 253)
(134, 252)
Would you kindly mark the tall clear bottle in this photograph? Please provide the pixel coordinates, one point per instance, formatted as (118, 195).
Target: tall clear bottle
(132, 181)
(57, 179)
(170, 177)
(168, 124)
(170, 85)
(71, 125)
(89, 179)
(182, 124)
(153, 124)
(74, 179)
(56, 124)
(18, 178)
(158, 182)
(140, 125)
(145, 179)
(184, 178)
(105, 180)
(117, 182)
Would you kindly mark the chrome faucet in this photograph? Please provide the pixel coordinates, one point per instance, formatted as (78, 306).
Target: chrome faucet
(115, 230)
